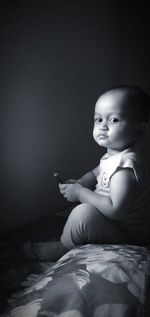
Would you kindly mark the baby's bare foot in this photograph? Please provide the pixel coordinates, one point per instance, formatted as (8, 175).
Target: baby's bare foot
(44, 251)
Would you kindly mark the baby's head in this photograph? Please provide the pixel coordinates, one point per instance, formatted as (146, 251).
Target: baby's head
(122, 114)
(132, 99)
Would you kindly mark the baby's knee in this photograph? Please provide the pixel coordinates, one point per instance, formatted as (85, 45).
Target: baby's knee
(84, 212)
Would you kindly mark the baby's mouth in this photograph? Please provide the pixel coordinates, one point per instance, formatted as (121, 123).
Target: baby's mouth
(102, 136)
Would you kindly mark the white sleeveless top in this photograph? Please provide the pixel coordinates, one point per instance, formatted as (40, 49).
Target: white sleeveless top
(137, 221)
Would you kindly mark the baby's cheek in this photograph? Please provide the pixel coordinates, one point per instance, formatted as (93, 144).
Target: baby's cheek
(95, 131)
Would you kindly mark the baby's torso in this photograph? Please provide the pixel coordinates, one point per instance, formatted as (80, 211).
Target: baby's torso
(138, 219)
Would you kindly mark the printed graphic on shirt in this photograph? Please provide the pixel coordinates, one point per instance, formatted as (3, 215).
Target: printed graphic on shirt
(105, 180)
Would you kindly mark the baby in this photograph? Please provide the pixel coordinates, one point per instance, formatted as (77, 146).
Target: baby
(114, 198)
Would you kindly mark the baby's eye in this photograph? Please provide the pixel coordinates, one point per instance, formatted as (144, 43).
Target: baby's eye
(98, 120)
(112, 120)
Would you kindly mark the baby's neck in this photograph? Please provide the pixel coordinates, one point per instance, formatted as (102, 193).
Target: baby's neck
(111, 152)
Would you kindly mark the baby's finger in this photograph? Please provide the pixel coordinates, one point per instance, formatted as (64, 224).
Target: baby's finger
(63, 191)
(70, 181)
(63, 186)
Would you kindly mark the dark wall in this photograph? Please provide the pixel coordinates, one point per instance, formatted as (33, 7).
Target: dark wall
(56, 59)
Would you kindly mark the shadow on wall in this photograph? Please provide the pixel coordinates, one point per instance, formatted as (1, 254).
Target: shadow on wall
(56, 61)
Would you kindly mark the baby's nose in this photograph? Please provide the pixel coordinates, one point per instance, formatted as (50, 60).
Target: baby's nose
(103, 126)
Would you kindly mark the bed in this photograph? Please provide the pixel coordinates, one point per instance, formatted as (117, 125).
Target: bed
(90, 280)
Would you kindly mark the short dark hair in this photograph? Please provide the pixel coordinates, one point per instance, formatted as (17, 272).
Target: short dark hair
(139, 97)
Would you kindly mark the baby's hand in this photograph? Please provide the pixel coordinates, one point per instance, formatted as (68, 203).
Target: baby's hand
(70, 191)
(70, 181)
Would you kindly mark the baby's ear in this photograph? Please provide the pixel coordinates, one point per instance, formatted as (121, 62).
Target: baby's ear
(140, 130)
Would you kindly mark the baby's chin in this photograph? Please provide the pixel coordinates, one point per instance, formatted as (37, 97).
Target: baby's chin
(102, 143)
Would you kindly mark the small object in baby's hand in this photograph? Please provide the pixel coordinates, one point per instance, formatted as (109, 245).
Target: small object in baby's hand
(59, 178)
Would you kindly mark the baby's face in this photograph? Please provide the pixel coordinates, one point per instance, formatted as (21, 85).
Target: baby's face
(114, 123)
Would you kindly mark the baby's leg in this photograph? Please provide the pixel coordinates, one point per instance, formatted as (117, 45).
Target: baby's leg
(86, 224)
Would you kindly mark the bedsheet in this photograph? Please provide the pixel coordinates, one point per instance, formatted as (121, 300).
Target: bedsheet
(90, 280)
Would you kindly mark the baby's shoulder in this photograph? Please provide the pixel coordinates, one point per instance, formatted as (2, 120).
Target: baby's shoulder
(130, 157)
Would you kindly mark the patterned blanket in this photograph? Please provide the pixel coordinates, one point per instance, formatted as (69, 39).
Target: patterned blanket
(91, 280)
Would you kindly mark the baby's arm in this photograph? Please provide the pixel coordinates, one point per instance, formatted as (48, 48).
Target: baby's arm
(114, 207)
(121, 195)
(88, 180)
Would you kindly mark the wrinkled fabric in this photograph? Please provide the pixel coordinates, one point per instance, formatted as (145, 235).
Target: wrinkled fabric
(91, 280)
